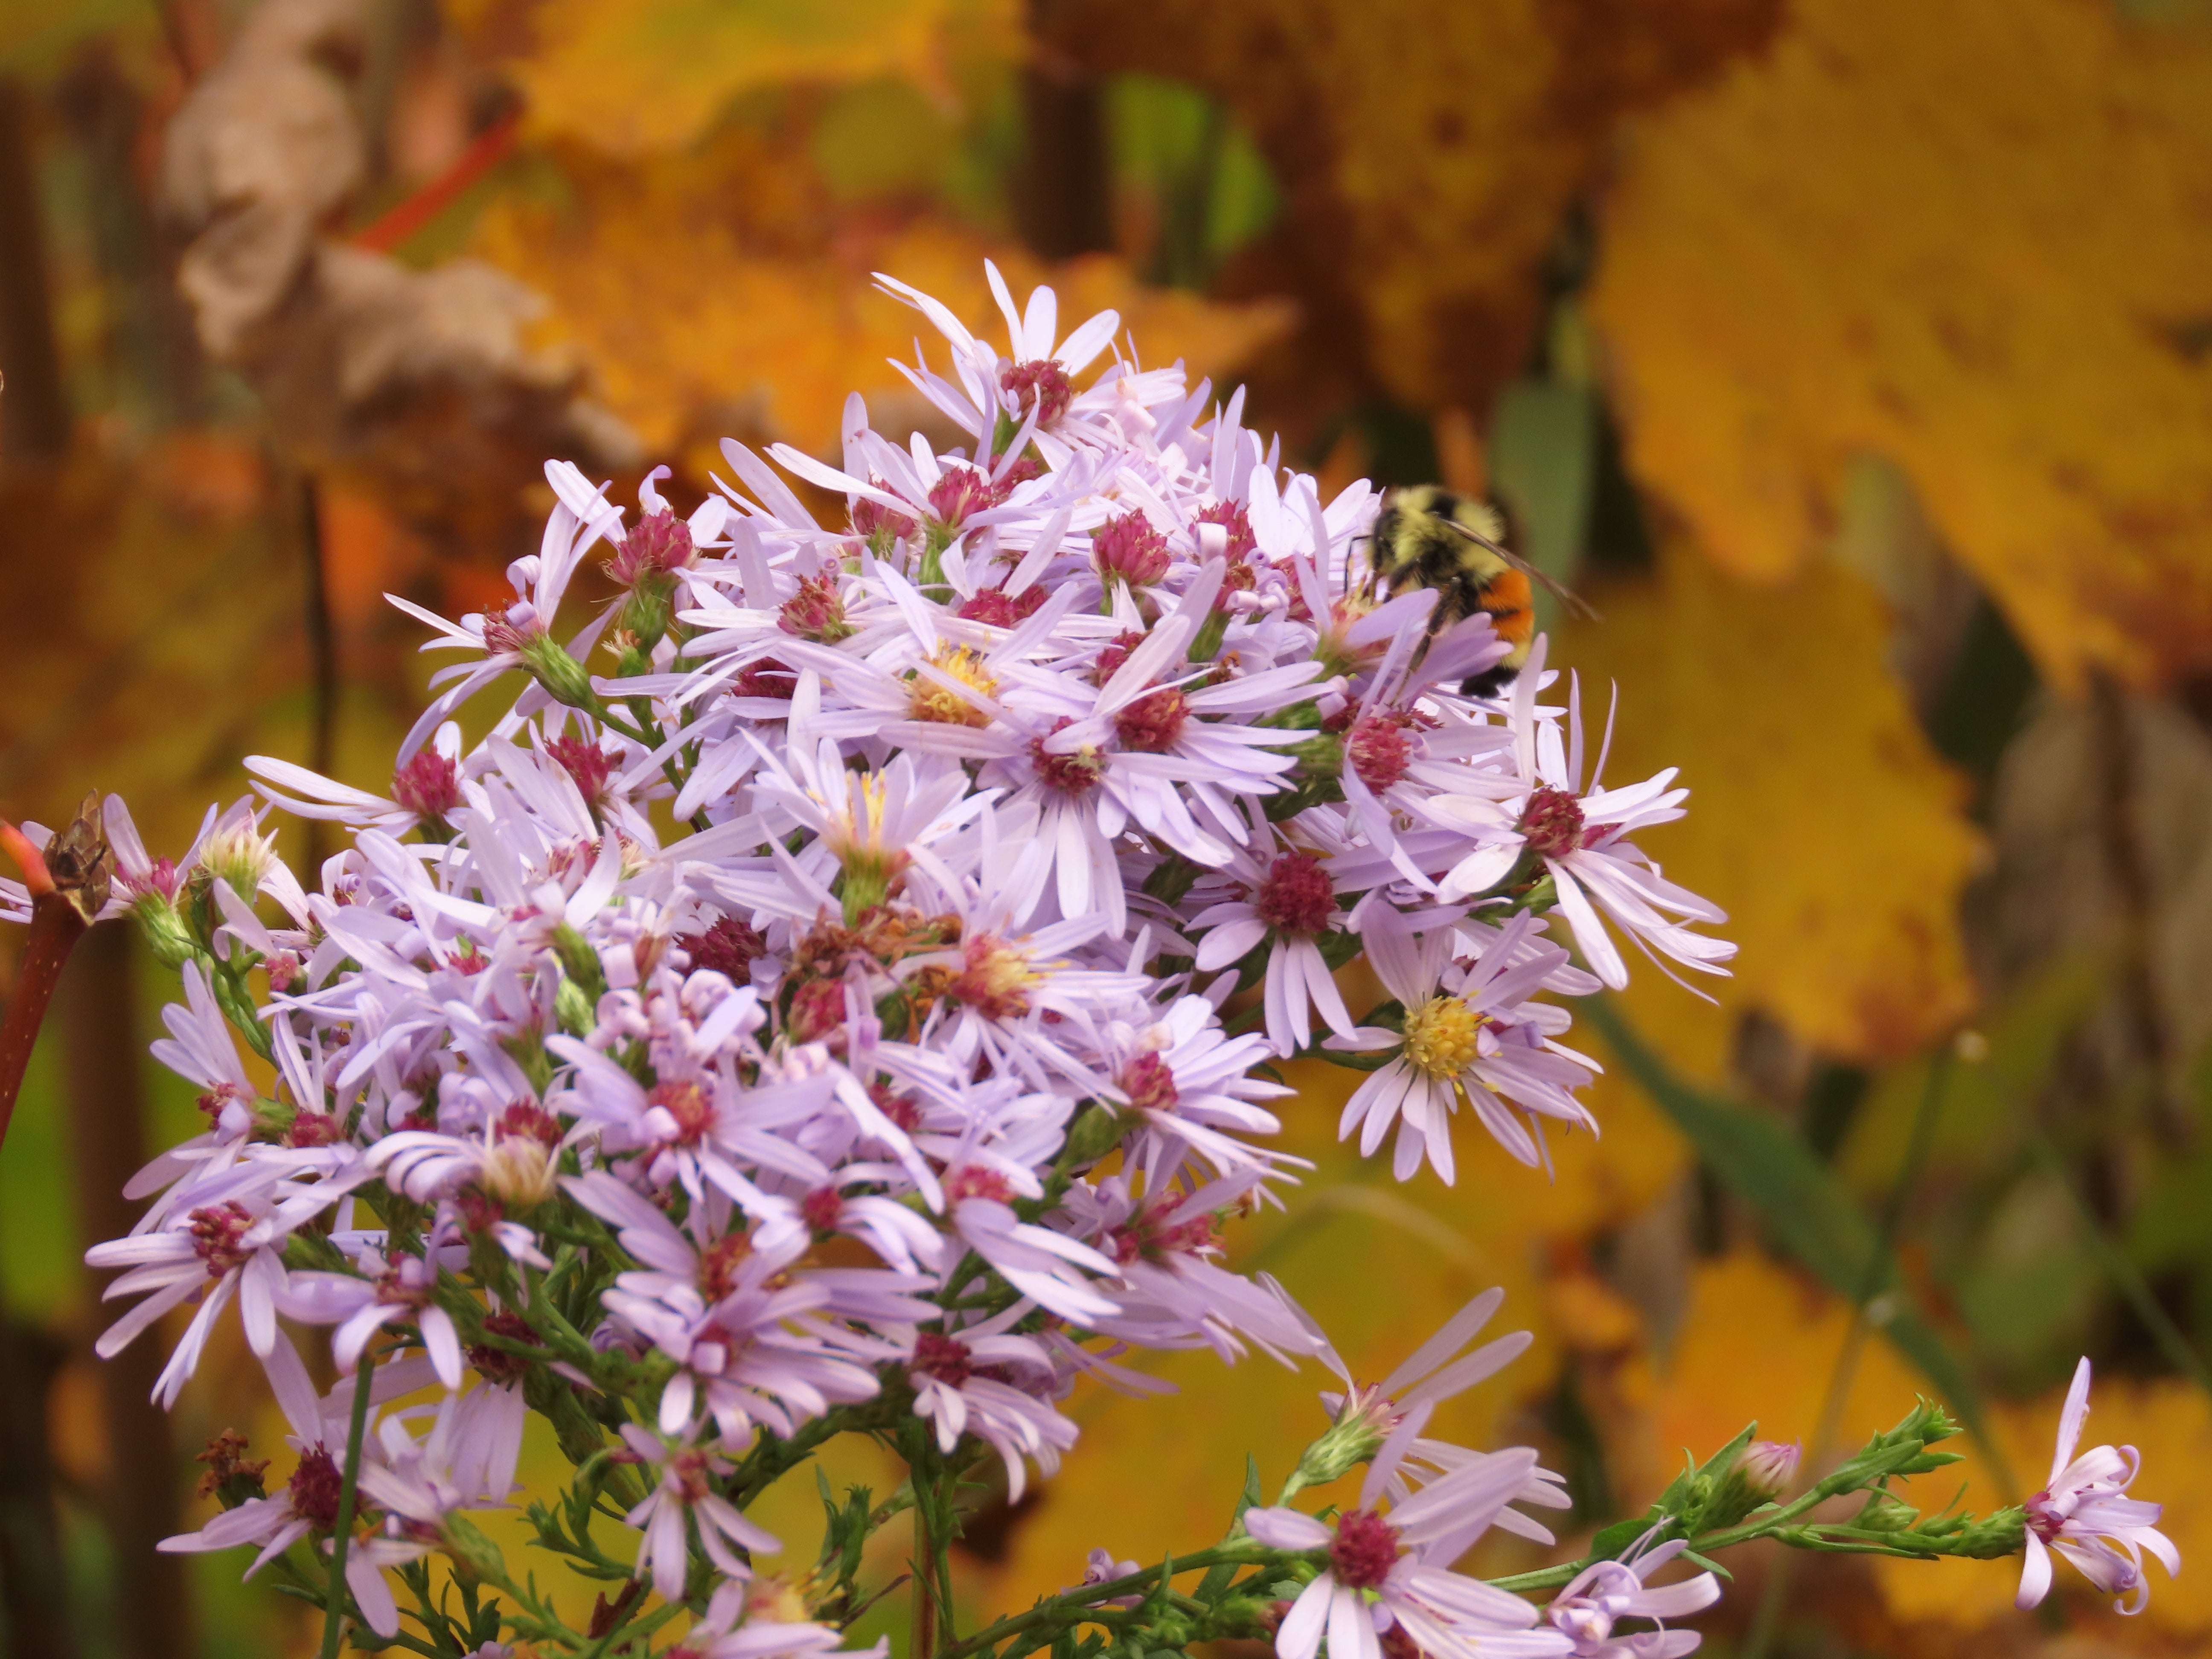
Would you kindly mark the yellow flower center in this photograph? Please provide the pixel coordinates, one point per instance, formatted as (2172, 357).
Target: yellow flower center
(1441, 1036)
(927, 699)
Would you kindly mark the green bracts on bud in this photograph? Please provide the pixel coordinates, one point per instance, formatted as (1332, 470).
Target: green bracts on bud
(166, 933)
(563, 678)
(575, 1009)
(474, 1557)
(527, 1050)
(1352, 1440)
(864, 882)
(645, 615)
(1207, 646)
(1320, 756)
(1097, 1131)
(578, 960)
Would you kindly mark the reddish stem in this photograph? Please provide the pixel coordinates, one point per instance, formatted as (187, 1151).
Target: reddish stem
(489, 149)
(55, 927)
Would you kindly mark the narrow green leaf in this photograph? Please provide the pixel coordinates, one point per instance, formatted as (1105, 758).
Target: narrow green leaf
(1769, 1165)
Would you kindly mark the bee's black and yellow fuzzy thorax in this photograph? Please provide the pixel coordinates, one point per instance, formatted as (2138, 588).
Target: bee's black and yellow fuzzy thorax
(1421, 539)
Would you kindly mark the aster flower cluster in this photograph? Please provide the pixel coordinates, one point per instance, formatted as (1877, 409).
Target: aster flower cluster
(839, 993)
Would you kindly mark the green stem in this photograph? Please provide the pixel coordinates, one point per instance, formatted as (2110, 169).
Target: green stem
(1078, 1607)
(2126, 1278)
(1773, 1603)
(334, 1608)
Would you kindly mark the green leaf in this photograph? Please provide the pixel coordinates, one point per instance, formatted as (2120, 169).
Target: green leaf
(1771, 1167)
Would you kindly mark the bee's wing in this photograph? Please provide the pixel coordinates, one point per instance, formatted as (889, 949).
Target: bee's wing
(1558, 590)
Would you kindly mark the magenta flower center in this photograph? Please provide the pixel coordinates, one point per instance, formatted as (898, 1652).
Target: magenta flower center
(720, 1264)
(586, 764)
(815, 613)
(973, 1181)
(314, 1489)
(313, 1129)
(1074, 774)
(994, 606)
(658, 542)
(689, 1105)
(526, 1120)
(945, 1357)
(1378, 752)
(1552, 823)
(1152, 724)
(1296, 896)
(960, 492)
(429, 785)
(1128, 547)
(730, 948)
(1365, 1549)
(501, 636)
(873, 518)
(2045, 1518)
(1148, 1236)
(1232, 517)
(1041, 384)
(496, 1366)
(1150, 1085)
(823, 1208)
(217, 1231)
(818, 1010)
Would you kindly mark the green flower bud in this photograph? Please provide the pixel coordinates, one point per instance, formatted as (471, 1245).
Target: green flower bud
(1761, 1474)
(645, 613)
(1095, 1132)
(560, 674)
(474, 1557)
(168, 934)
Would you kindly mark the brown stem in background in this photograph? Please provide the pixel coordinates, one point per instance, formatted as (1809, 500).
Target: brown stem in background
(2120, 826)
(106, 1097)
(34, 419)
(1062, 196)
(34, 1578)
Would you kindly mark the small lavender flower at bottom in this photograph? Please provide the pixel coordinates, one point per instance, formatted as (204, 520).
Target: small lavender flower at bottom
(2084, 1515)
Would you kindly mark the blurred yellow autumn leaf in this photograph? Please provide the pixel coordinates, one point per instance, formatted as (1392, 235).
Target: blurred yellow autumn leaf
(749, 318)
(648, 75)
(1982, 249)
(1820, 818)
(1427, 152)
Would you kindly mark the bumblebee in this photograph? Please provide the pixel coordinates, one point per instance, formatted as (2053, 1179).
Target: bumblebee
(1427, 536)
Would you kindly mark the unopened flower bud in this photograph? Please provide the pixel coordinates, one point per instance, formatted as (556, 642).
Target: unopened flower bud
(474, 1557)
(1883, 1513)
(1761, 1474)
(560, 674)
(1354, 1439)
(645, 613)
(167, 934)
(1770, 1465)
(1097, 1130)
